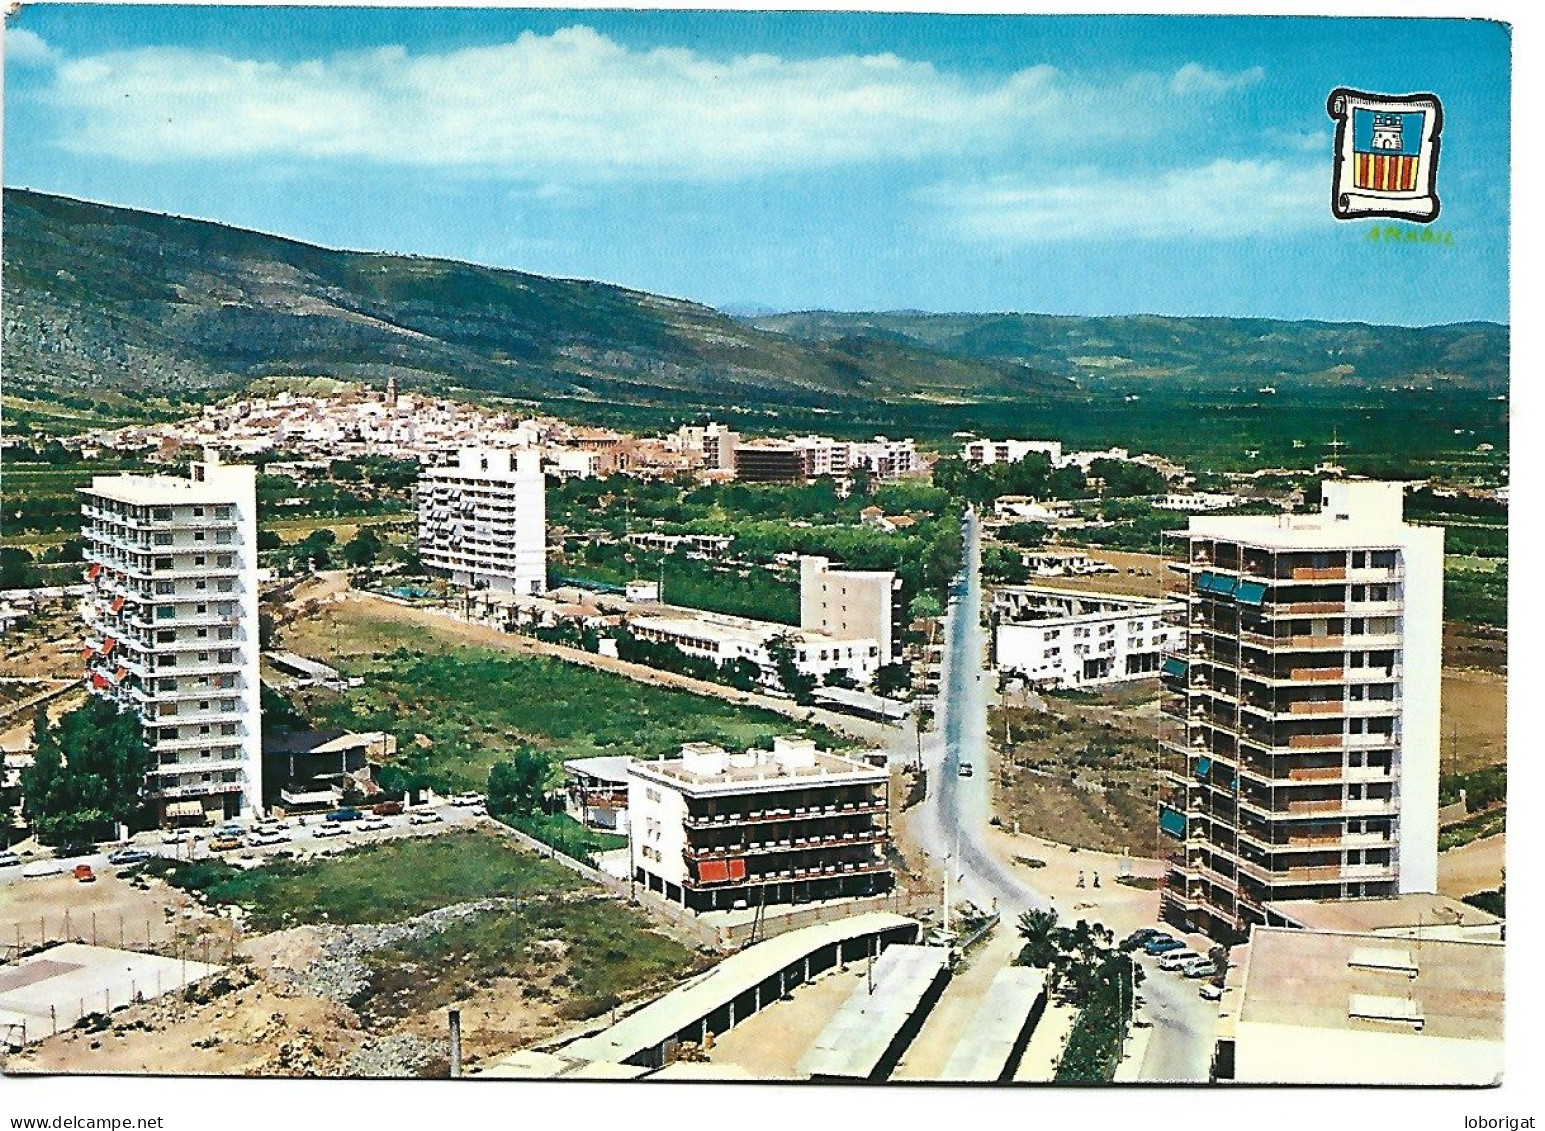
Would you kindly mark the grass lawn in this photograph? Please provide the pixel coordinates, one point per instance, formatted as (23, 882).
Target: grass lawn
(379, 883)
(456, 708)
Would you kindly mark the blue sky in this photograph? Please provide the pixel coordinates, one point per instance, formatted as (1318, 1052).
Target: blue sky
(788, 160)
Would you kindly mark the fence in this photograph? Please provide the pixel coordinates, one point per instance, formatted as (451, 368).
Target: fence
(22, 937)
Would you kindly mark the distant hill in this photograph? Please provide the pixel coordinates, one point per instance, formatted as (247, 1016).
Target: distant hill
(1095, 350)
(102, 299)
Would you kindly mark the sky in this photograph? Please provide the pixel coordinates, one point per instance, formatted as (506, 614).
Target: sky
(788, 161)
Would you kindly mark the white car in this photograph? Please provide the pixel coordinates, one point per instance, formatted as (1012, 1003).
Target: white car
(428, 818)
(1175, 959)
(330, 830)
(264, 837)
(467, 799)
(9, 860)
(40, 868)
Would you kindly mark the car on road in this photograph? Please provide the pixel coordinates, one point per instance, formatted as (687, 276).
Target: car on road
(40, 868)
(1210, 992)
(127, 855)
(1202, 968)
(1161, 944)
(9, 860)
(1175, 959)
(262, 839)
(373, 825)
(84, 874)
(966, 769)
(346, 814)
(428, 817)
(330, 830)
(387, 808)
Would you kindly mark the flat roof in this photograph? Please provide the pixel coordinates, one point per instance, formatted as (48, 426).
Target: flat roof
(863, 701)
(983, 1053)
(667, 1016)
(827, 768)
(725, 627)
(1393, 915)
(1349, 982)
(611, 768)
(858, 1035)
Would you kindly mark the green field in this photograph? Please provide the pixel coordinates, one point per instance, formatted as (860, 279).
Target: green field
(456, 709)
(379, 883)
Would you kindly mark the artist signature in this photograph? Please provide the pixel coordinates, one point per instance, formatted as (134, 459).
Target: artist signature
(1408, 233)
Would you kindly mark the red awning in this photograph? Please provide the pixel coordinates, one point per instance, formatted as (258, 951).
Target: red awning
(118, 603)
(737, 865)
(91, 574)
(108, 645)
(87, 652)
(99, 681)
(120, 673)
(713, 871)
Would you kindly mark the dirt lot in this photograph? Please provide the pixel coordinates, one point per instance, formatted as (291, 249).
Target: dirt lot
(47, 645)
(1478, 866)
(109, 912)
(1085, 772)
(1474, 725)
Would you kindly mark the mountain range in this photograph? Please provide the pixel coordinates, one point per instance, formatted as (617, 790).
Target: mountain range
(100, 299)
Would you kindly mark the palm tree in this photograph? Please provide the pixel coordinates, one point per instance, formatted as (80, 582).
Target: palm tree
(1037, 928)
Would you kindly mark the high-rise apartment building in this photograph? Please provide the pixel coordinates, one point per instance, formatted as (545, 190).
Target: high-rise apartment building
(172, 629)
(482, 520)
(1301, 740)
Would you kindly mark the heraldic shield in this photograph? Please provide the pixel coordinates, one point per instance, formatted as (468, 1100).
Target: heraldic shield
(1386, 155)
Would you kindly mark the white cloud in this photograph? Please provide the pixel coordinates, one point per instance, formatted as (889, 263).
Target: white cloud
(578, 106)
(25, 48)
(1222, 200)
(1195, 79)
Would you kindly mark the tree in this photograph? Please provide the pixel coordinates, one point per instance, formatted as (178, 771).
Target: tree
(88, 773)
(892, 679)
(363, 549)
(1036, 928)
(924, 606)
(267, 627)
(269, 539)
(314, 551)
(16, 569)
(516, 788)
(799, 684)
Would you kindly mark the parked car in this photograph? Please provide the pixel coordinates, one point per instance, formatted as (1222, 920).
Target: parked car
(966, 769)
(387, 808)
(428, 817)
(331, 830)
(372, 825)
(467, 799)
(1203, 968)
(231, 828)
(1210, 992)
(128, 855)
(479, 810)
(345, 814)
(84, 874)
(9, 860)
(225, 843)
(261, 839)
(1161, 944)
(1175, 959)
(40, 868)
(1141, 937)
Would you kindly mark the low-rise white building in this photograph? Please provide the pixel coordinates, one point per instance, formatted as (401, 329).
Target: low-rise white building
(482, 519)
(1010, 451)
(724, 639)
(1195, 502)
(717, 831)
(1070, 638)
(1324, 1007)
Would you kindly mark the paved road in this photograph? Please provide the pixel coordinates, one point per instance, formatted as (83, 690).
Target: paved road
(956, 810)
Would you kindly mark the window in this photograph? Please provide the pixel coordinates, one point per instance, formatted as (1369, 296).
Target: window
(164, 563)
(166, 635)
(222, 512)
(165, 587)
(198, 535)
(198, 512)
(163, 537)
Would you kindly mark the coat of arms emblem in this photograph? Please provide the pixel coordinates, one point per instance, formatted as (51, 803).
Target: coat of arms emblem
(1386, 155)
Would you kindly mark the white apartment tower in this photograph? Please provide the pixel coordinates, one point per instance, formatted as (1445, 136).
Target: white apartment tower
(482, 519)
(851, 604)
(172, 629)
(1301, 739)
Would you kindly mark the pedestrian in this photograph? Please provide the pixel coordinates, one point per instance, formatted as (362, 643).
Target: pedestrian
(1097, 879)
(1080, 877)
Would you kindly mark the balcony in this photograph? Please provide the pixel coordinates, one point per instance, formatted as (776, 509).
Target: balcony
(786, 845)
(1321, 573)
(794, 875)
(796, 813)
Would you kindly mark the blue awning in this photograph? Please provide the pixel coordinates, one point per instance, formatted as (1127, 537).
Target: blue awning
(1216, 584)
(1203, 766)
(1174, 667)
(1250, 593)
(1172, 821)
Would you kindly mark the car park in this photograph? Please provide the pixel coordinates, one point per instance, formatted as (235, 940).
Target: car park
(40, 868)
(1175, 959)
